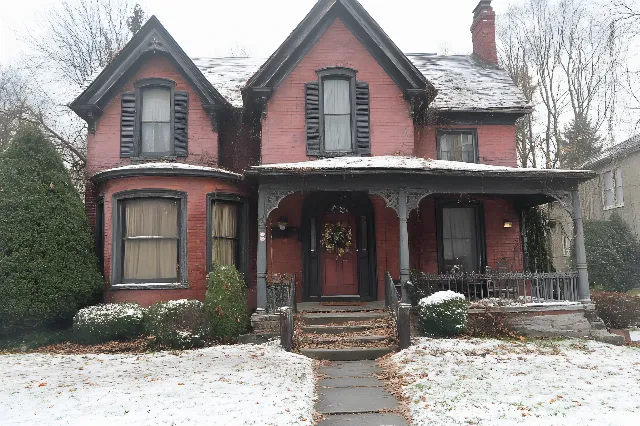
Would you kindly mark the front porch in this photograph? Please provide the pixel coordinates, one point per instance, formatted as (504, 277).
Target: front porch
(460, 224)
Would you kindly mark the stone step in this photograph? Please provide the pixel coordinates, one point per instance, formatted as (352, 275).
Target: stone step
(336, 329)
(347, 354)
(352, 339)
(342, 317)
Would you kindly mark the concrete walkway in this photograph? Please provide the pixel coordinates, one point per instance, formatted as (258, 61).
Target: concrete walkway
(352, 395)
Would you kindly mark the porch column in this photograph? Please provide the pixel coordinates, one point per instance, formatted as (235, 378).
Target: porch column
(261, 262)
(581, 255)
(403, 214)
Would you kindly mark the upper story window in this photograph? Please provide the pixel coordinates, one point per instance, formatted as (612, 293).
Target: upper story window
(613, 194)
(155, 121)
(458, 145)
(337, 114)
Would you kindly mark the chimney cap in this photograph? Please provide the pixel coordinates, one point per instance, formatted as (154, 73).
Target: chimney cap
(482, 5)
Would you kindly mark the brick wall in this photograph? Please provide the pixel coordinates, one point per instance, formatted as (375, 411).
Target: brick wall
(197, 190)
(496, 143)
(284, 129)
(104, 146)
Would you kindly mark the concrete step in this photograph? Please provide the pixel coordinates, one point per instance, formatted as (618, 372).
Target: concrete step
(348, 354)
(354, 339)
(336, 329)
(342, 317)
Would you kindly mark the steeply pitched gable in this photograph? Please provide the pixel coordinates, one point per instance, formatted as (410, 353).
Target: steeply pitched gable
(361, 24)
(151, 39)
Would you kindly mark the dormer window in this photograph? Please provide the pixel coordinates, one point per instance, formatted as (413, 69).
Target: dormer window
(458, 145)
(155, 121)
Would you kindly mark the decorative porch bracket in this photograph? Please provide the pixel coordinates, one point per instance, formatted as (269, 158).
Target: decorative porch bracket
(570, 201)
(268, 201)
(403, 201)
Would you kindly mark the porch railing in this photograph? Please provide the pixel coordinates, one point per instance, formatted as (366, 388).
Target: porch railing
(281, 292)
(521, 287)
(399, 311)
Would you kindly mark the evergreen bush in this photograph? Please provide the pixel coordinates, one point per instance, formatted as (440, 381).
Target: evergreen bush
(613, 254)
(48, 266)
(443, 314)
(226, 303)
(617, 310)
(177, 324)
(103, 323)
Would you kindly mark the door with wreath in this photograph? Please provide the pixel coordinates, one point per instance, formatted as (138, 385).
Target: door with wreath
(339, 257)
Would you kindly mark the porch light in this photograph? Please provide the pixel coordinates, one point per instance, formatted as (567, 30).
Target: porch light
(283, 222)
(508, 223)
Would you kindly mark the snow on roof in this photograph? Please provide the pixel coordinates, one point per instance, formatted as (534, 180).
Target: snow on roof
(399, 163)
(615, 152)
(465, 83)
(168, 166)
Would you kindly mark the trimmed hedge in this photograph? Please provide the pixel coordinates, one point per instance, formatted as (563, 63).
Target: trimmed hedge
(103, 323)
(48, 267)
(226, 303)
(177, 324)
(443, 314)
(617, 310)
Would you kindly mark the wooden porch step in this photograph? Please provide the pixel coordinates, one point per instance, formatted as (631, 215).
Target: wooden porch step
(336, 318)
(348, 354)
(337, 329)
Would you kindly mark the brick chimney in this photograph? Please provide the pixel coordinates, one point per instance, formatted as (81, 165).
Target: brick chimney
(483, 32)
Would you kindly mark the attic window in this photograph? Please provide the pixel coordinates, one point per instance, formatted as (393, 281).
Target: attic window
(155, 122)
(337, 95)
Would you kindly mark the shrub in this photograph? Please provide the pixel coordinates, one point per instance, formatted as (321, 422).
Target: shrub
(48, 267)
(443, 314)
(613, 254)
(617, 310)
(177, 324)
(103, 323)
(226, 303)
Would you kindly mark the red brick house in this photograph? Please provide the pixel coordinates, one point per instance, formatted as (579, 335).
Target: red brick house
(194, 160)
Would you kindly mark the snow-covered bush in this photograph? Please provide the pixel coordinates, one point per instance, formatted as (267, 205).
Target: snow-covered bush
(177, 324)
(443, 314)
(226, 303)
(103, 323)
(617, 310)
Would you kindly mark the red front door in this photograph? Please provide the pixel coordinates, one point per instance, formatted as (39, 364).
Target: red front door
(340, 274)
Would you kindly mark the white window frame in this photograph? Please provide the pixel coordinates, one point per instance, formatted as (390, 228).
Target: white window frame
(617, 188)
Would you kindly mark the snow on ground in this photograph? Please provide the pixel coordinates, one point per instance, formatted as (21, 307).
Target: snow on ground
(635, 335)
(224, 385)
(493, 382)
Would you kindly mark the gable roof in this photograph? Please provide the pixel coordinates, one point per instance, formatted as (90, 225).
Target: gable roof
(616, 152)
(362, 25)
(151, 38)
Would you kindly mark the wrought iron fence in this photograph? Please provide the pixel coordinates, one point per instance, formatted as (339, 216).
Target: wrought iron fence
(399, 311)
(281, 292)
(524, 287)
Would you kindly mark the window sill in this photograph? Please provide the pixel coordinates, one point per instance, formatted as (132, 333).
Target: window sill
(616, 206)
(150, 286)
(154, 159)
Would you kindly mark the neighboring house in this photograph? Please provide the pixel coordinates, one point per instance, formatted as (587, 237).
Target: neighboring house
(614, 190)
(194, 161)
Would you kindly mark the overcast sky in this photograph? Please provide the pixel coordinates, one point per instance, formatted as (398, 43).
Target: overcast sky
(215, 27)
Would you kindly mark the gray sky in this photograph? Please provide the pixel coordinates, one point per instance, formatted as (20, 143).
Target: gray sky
(214, 27)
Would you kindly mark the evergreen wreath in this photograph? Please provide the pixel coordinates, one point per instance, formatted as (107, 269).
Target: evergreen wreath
(336, 238)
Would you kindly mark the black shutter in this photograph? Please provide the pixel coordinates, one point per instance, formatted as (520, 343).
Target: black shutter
(128, 124)
(180, 121)
(363, 136)
(312, 99)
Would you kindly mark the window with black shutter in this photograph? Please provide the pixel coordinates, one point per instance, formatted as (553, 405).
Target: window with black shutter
(337, 112)
(154, 120)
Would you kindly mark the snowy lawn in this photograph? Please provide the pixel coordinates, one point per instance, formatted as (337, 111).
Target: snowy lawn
(224, 385)
(493, 382)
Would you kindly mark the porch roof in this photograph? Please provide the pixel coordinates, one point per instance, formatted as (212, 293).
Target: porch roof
(412, 165)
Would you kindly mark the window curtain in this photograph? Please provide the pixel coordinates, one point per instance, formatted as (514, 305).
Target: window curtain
(459, 239)
(156, 120)
(457, 147)
(224, 230)
(151, 240)
(619, 194)
(337, 115)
